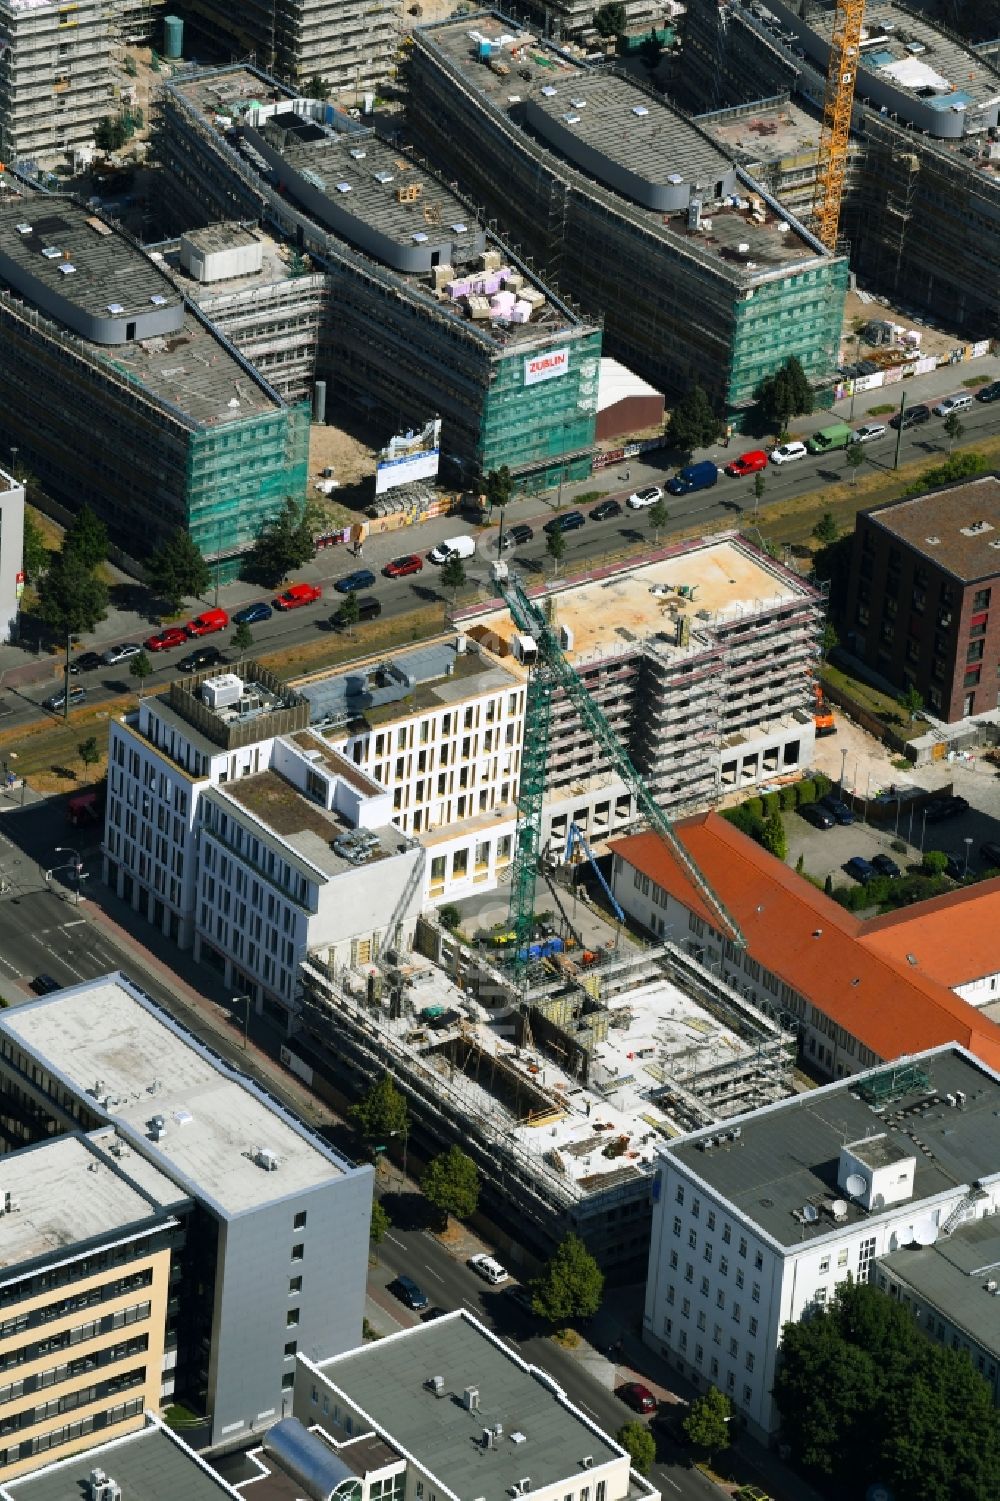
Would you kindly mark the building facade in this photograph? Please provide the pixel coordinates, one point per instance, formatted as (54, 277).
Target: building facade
(11, 554)
(922, 596)
(755, 1226)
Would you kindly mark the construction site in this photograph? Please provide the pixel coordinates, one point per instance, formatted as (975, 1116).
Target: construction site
(701, 274)
(426, 312)
(117, 393)
(921, 193)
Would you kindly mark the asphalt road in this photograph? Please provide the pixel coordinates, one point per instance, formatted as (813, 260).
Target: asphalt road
(731, 499)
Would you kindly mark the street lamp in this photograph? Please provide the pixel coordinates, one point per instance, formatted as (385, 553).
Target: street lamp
(75, 865)
(967, 841)
(843, 768)
(246, 1016)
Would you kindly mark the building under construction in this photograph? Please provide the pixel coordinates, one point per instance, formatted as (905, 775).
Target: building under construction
(427, 313)
(349, 43)
(921, 207)
(559, 1093)
(117, 392)
(701, 274)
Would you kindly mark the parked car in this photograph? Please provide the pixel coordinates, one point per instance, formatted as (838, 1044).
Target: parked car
(842, 812)
(638, 1397)
(489, 1269)
(639, 500)
(787, 452)
(817, 815)
(116, 654)
(87, 661)
(990, 392)
(869, 432)
(401, 568)
(207, 622)
(434, 1312)
(521, 1296)
(604, 510)
(747, 463)
(569, 521)
(463, 546)
(912, 417)
(202, 656)
(519, 534)
(885, 865)
(297, 595)
(940, 808)
(351, 583)
(700, 476)
(369, 608)
(859, 869)
(251, 614)
(989, 853)
(174, 635)
(961, 402)
(58, 700)
(44, 985)
(407, 1291)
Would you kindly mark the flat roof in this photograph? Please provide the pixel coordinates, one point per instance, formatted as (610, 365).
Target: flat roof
(952, 1275)
(627, 607)
(301, 823)
(139, 1064)
(771, 131)
(892, 35)
(149, 1465)
(387, 1380)
(192, 368)
(787, 1154)
(63, 1195)
(958, 528)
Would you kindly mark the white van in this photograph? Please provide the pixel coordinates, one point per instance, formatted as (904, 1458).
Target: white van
(453, 547)
(960, 403)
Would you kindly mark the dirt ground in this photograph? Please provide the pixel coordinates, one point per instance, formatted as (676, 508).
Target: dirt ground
(351, 459)
(863, 309)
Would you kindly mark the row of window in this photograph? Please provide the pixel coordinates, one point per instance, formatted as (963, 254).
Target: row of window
(55, 1438)
(65, 1339)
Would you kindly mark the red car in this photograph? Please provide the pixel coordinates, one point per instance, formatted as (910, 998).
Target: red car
(748, 463)
(638, 1397)
(400, 567)
(207, 622)
(298, 594)
(174, 635)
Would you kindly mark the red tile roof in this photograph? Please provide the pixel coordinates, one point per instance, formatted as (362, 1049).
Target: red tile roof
(954, 938)
(815, 946)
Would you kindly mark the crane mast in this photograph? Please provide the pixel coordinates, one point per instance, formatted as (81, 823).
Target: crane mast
(838, 101)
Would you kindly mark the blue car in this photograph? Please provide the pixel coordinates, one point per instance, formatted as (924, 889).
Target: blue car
(250, 614)
(860, 870)
(841, 811)
(361, 578)
(407, 1291)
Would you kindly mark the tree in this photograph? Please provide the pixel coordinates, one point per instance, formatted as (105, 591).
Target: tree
(773, 837)
(140, 667)
(784, 393)
(283, 544)
(759, 486)
(707, 1422)
(912, 700)
(855, 455)
(451, 1184)
(110, 133)
(348, 612)
(957, 466)
(453, 576)
(243, 635)
(954, 427)
(36, 554)
(70, 600)
(651, 51)
(658, 518)
(499, 488)
(555, 546)
(935, 862)
(693, 424)
(449, 916)
(177, 571)
(610, 19)
(826, 528)
(828, 640)
(382, 1112)
(639, 1444)
(381, 1223)
(86, 538)
(318, 87)
(571, 1286)
(89, 751)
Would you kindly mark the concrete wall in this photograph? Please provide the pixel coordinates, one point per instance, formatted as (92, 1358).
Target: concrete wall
(11, 554)
(103, 328)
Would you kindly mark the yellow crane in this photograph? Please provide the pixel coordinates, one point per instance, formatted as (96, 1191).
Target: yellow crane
(838, 99)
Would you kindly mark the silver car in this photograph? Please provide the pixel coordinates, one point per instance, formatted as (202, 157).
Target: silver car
(870, 433)
(116, 654)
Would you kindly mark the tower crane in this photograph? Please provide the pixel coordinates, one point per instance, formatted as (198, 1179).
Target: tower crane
(838, 101)
(549, 673)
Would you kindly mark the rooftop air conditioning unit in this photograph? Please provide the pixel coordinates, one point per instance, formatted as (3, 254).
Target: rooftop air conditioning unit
(471, 1398)
(267, 1159)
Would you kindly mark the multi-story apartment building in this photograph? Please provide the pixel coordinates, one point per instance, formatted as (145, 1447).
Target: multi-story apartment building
(920, 607)
(347, 43)
(275, 1225)
(87, 1278)
(756, 1225)
(11, 554)
(244, 836)
(699, 272)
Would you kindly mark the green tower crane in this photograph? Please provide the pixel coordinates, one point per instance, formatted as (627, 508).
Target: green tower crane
(548, 673)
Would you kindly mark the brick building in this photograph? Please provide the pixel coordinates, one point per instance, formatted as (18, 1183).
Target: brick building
(923, 601)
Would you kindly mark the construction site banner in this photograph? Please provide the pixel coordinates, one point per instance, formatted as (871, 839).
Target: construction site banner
(409, 457)
(545, 366)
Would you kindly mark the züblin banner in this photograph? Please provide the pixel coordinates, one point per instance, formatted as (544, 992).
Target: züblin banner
(545, 366)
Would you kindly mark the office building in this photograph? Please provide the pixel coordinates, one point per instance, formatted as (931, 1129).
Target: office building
(350, 44)
(11, 554)
(858, 993)
(756, 1226)
(920, 608)
(275, 1245)
(119, 394)
(87, 1340)
(700, 273)
(245, 837)
(449, 1409)
(428, 313)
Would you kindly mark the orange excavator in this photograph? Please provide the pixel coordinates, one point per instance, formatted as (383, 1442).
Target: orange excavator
(822, 713)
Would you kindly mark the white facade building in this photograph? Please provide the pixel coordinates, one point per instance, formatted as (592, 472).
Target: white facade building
(241, 834)
(755, 1224)
(11, 554)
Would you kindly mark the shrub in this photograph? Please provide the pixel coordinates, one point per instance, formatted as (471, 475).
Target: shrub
(789, 797)
(822, 784)
(935, 862)
(449, 916)
(772, 804)
(807, 792)
(899, 846)
(754, 806)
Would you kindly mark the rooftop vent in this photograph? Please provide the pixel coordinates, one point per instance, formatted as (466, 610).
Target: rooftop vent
(639, 109)
(675, 178)
(976, 528)
(358, 154)
(459, 229)
(343, 187)
(51, 253)
(933, 541)
(587, 1462)
(23, 229)
(436, 1385)
(115, 308)
(383, 177)
(265, 1158)
(158, 299)
(572, 119)
(548, 91)
(517, 1437)
(470, 1399)
(579, 103)
(419, 238)
(101, 1487)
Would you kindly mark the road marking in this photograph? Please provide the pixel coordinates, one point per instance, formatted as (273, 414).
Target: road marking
(396, 1242)
(593, 1414)
(469, 1304)
(15, 972)
(671, 1482)
(433, 1272)
(78, 922)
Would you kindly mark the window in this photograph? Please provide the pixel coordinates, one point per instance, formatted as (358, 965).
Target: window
(981, 599)
(299, 1222)
(292, 1317)
(688, 1272)
(673, 1261)
(294, 1286)
(974, 651)
(708, 1252)
(701, 1322)
(677, 1224)
(734, 1348)
(749, 1362)
(298, 1252)
(695, 1208)
(727, 1234)
(758, 1261)
(288, 1381)
(723, 1266)
(720, 1299)
(670, 1295)
(756, 1292)
(290, 1349)
(739, 1276)
(680, 1195)
(693, 1239)
(686, 1308)
(704, 1287)
(743, 1245)
(711, 1219)
(842, 1257)
(824, 1266)
(737, 1313)
(753, 1326)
